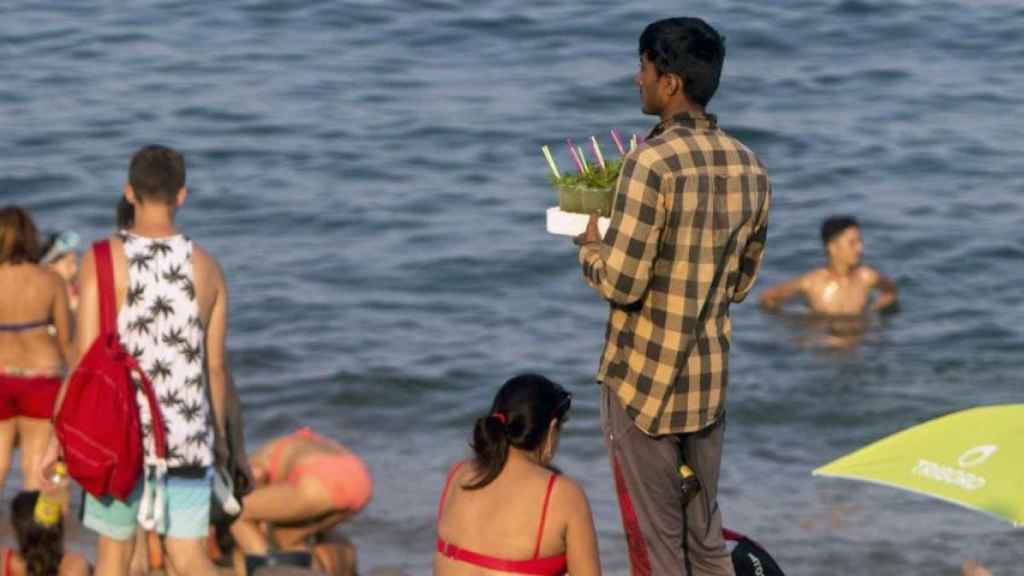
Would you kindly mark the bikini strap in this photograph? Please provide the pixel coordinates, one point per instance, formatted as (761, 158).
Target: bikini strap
(544, 515)
(447, 483)
(7, 561)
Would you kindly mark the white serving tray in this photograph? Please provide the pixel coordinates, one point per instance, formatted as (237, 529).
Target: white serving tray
(570, 223)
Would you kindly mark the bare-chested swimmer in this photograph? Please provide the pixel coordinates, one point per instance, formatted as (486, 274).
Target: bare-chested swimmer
(844, 286)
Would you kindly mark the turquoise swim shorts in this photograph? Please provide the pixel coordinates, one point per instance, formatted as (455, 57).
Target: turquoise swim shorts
(186, 510)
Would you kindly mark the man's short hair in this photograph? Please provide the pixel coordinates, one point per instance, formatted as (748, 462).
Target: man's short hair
(689, 47)
(157, 173)
(835, 225)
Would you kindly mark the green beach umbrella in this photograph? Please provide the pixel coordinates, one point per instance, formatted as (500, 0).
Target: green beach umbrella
(974, 458)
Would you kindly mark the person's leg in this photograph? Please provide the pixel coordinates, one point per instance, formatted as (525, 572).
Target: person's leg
(294, 536)
(188, 556)
(115, 521)
(249, 537)
(286, 502)
(8, 433)
(114, 556)
(188, 522)
(705, 545)
(647, 484)
(140, 563)
(336, 557)
(33, 435)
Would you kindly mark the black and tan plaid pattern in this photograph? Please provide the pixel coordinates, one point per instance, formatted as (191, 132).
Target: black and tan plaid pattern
(687, 233)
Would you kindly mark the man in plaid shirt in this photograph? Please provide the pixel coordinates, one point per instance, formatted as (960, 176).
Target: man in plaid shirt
(686, 236)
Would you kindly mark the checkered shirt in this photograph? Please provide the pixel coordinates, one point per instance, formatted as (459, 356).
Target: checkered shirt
(686, 237)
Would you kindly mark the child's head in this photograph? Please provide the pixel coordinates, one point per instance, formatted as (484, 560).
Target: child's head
(842, 240)
(59, 253)
(42, 547)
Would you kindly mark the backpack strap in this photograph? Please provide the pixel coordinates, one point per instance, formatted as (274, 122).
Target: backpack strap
(108, 327)
(105, 278)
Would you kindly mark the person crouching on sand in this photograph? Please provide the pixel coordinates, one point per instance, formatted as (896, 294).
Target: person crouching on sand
(507, 510)
(305, 485)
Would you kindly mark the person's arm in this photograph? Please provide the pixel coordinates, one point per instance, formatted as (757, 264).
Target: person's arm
(887, 292)
(580, 539)
(61, 314)
(619, 267)
(773, 297)
(87, 327)
(753, 252)
(972, 568)
(216, 348)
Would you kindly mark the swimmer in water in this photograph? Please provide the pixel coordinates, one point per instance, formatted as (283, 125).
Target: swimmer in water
(844, 286)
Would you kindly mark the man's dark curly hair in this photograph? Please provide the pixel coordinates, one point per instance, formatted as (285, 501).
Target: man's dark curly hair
(689, 47)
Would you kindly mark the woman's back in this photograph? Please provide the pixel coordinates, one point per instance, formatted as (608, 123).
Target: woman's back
(523, 515)
(505, 511)
(33, 298)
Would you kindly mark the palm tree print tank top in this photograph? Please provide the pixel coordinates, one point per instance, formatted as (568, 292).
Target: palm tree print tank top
(159, 324)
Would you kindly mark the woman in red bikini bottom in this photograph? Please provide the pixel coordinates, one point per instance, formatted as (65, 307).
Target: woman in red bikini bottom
(306, 485)
(507, 511)
(31, 360)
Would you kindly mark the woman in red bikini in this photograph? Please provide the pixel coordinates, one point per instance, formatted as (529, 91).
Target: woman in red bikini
(31, 360)
(306, 485)
(507, 511)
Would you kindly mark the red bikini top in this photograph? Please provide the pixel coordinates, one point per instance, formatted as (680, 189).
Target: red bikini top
(549, 566)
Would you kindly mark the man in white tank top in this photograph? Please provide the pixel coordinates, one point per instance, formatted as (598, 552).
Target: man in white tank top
(172, 316)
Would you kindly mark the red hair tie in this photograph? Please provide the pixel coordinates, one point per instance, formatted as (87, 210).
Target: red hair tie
(501, 417)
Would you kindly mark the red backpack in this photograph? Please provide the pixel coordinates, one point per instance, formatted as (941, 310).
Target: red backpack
(98, 424)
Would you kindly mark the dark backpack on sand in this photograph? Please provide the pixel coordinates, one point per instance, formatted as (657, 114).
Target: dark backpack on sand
(98, 424)
(749, 559)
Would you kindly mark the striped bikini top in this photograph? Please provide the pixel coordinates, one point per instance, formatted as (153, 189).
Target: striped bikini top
(159, 325)
(547, 566)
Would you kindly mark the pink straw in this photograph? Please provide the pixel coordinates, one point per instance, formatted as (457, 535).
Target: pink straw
(618, 143)
(575, 157)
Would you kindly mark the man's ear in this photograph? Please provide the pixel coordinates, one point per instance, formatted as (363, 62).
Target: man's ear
(676, 83)
(180, 199)
(129, 194)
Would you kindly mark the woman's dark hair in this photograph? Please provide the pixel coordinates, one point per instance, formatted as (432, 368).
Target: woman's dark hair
(19, 238)
(519, 418)
(836, 225)
(124, 216)
(689, 47)
(42, 547)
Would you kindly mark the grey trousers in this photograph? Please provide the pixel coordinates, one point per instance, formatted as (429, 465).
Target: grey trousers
(648, 486)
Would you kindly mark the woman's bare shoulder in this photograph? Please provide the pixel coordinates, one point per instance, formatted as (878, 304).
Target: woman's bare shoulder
(568, 494)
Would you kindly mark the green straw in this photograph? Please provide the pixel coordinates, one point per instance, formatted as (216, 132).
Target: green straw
(551, 161)
(586, 166)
